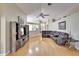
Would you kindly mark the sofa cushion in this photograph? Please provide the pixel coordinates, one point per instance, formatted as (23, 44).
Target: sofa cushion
(60, 40)
(56, 34)
(64, 35)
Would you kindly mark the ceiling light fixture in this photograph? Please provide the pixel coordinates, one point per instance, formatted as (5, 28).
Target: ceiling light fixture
(49, 4)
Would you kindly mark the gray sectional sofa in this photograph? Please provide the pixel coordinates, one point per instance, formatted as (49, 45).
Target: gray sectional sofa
(59, 37)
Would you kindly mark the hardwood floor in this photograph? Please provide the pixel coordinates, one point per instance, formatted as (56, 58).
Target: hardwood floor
(38, 46)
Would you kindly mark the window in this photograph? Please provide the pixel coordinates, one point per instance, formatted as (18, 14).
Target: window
(33, 27)
(30, 27)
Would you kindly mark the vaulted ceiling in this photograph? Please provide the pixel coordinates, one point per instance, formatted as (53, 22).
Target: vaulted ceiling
(55, 10)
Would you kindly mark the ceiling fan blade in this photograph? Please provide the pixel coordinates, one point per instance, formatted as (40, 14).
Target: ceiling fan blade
(42, 16)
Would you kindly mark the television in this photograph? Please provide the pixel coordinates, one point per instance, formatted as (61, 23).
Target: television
(24, 30)
(21, 30)
(17, 32)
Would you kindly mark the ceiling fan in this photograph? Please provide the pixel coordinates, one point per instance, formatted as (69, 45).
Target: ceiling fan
(42, 15)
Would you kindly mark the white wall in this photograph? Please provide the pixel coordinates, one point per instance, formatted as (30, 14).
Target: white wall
(72, 23)
(72, 26)
(75, 26)
(10, 13)
(54, 26)
(3, 35)
(13, 11)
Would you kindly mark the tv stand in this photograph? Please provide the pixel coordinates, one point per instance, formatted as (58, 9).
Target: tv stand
(20, 42)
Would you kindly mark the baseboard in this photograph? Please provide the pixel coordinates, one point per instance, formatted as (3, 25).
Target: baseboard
(1, 55)
(5, 54)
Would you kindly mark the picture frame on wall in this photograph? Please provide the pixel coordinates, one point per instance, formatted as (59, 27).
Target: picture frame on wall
(62, 25)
